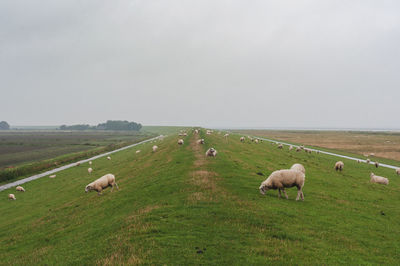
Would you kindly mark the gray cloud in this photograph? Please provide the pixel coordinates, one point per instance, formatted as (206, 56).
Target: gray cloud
(211, 63)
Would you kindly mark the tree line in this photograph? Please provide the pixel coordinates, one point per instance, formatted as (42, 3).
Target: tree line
(109, 125)
(4, 125)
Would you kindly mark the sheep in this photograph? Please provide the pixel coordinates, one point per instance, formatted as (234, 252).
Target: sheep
(211, 152)
(11, 197)
(302, 147)
(282, 179)
(358, 161)
(307, 150)
(290, 147)
(256, 140)
(155, 147)
(398, 171)
(339, 165)
(103, 182)
(52, 176)
(280, 146)
(226, 135)
(196, 131)
(376, 164)
(19, 188)
(185, 134)
(200, 141)
(208, 132)
(180, 142)
(90, 163)
(242, 139)
(108, 158)
(298, 167)
(90, 170)
(298, 149)
(379, 179)
(368, 161)
(77, 164)
(138, 151)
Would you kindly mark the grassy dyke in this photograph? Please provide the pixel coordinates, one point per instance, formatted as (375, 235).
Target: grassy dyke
(177, 207)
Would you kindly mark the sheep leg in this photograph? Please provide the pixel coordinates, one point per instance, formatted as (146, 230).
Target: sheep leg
(284, 192)
(117, 185)
(302, 195)
(279, 195)
(299, 194)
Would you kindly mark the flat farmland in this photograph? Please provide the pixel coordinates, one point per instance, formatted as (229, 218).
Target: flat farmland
(20, 147)
(378, 144)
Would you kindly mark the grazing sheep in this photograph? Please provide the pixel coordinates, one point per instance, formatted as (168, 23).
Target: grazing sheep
(108, 158)
(298, 149)
(379, 179)
(90, 163)
(52, 176)
(282, 179)
(185, 134)
(208, 132)
(298, 167)
(77, 164)
(226, 135)
(280, 146)
(155, 147)
(138, 151)
(180, 142)
(398, 171)
(339, 165)
(318, 151)
(211, 152)
(302, 147)
(242, 139)
(368, 161)
(11, 197)
(358, 161)
(376, 164)
(290, 147)
(90, 170)
(307, 150)
(103, 182)
(200, 141)
(196, 131)
(19, 188)
(256, 140)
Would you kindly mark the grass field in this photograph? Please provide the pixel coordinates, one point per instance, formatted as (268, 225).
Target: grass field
(379, 144)
(177, 207)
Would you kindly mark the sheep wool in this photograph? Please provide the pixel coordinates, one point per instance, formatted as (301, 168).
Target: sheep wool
(282, 179)
(298, 167)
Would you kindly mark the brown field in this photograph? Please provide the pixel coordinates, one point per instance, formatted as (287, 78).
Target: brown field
(379, 144)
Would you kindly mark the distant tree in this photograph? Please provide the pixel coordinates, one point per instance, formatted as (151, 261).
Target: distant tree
(119, 125)
(76, 127)
(4, 125)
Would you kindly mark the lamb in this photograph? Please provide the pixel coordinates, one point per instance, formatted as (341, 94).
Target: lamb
(180, 142)
(211, 152)
(52, 176)
(90, 170)
(379, 179)
(282, 179)
(368, 161)
(398, 171)
(298, 167)
(200, 141)
(11, 197)
(339, 165)
(290, 147)
(19, 188)
(280, 146)
(242, 139)
(155, 147)
(103, 182)
(376, 164)
(108, 158)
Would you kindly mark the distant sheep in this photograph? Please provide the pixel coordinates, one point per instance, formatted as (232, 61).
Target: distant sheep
(11, 197)
(208, 132)
(77, 164)
(280, 146)
(256, 140)
(103, 182)
(90, 170)
(138, 151)
(155, 147)
(108, 158)
(200, 141)
(298, 149)
(318, 151)
(282, 179)
(211, 152)
(242, 139)
(19, 188)
(379, 179)
(398, 171)
(339, 165)
(52, 176)
(298, 167)
(290, 147)
(196, 131)
(226, 135)
(180, 142)
(368, 161)
(376, 164)
(358, 161)
(90, 163)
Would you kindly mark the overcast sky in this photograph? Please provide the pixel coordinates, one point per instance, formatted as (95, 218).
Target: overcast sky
(209, 63)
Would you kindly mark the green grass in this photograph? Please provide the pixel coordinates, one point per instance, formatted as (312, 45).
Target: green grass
(174, 203)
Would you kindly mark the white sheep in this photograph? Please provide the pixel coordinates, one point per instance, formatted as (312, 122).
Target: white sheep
(379, 179)
(280, 146)
(376, 164)
(211, 152)
(90, 163)
(138, 151)
(11, 197)
(226, 135)
(196, 131)
(200, 141)
(368, 161)
(242, 139)
(19, 188)
(90, 170)
(298, 149)
(155, 147)
(398, 171)
(108, 158)
(208, 132)
(77, 164)
(180, 142)
(103, 182)
(290, 147)
(52, 176)
(298, 167)
(339, 165)
(282, 179)
(256, 140)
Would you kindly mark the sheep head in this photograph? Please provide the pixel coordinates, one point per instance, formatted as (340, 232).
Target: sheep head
(88, 188)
